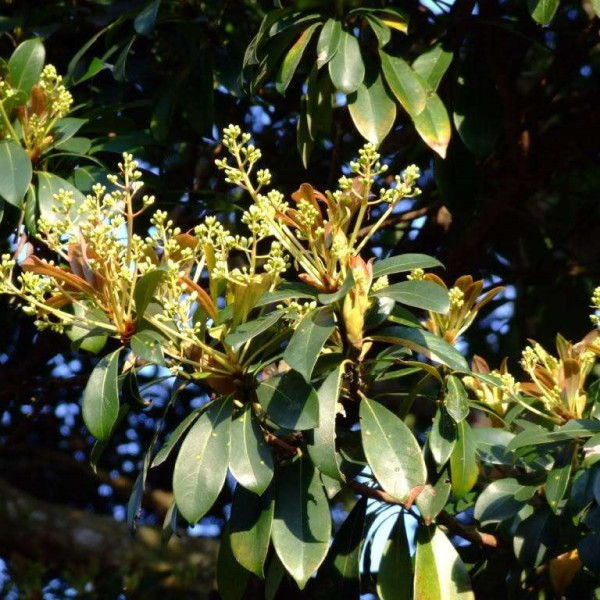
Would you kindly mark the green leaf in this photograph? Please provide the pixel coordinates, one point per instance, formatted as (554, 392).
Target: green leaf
(442, 437)
(456, 401)
(50, 184)
(542, 11)
(596, 7)
(304, 141)
(147, 345)
(144, 290)
(319, 103)
(100, 407)
(251, 459)
(433, 125)
(275, 574)
(501, 500)
(427, 295)
(288, 291)
(119, 70)
(178, 433)
(492, 445)
(82, 338)
(302, 522)
(392, 450)
(250, 329)
(250, 528)
(232, 578)
(308, 340)
(463, 461)
(341, 293)
(146, 18)
(346, 68)
(202, 462)
(382, 32)
(403, 263)
(339, 575)
(394, 579)
(536, 537)
(439, 572)
(425, 343)
(406, 85)
(433, 64)
(26, 64)
(321, 446)
(289, 401)
(559, 477)
(534, 436)
(589, 551)
(373, 110)
(329, 41)
(292, 59)
(433, 498)
(15, 172)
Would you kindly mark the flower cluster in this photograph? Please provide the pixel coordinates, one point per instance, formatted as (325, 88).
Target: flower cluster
(596, 306)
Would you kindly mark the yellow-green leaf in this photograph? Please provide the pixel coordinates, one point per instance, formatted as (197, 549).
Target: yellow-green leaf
(406, 85)
(463, 461)
(433, 125)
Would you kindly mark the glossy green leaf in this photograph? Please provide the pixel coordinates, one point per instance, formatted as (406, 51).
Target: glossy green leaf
(403, 263)
(250, 528)
(175, 437)
(146, 18)
(302, 522)
(202, 462)
(433, 125)
(442, 437)
(288, 291)
(394, 578)
(433, 64)
(232, 578)
(406, 85)
(543, 11)
(456, 401)
(147, 345)
(492, 445)
(65, 129)
(145, 288)
(559, 477)
(373, 110)
(289, 401)
(338, 578)
(382, 32)
(100, 446)
(329, 41)
(427, 295)
(251, 459)
(100, 406)
(439, 571)
(433, 498)
(30, 216)
(322, 439)
(536, 537)
(425, 343)
(501, 500)
(319, 103)
(463, 461)
(534, 436)
(15, 172)
(26, 64)
(50, 184)
(308, 340)
(250, 329)
(392, 450)
(292, 59)
(339, 294)
(81, 337)
(346, 68)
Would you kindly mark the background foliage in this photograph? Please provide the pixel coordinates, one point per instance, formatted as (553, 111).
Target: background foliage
(499, 110)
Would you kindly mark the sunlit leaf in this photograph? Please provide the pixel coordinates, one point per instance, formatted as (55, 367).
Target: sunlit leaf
(406, 85)
(346, 68)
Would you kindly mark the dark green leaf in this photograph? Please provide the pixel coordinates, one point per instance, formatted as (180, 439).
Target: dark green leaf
(456, 401)
(202, 462)
(275, 574)
(178, 433)
(382, 32)
(536, 538)
(250, 329)
(403, 263)
(100, 406)
(442, 437)
(119, 70)
(492, 445)
(433, 498)
(26, 64)
(250, 528)
(425, 343)
(589, 551)
(558, 478)
(308, 340)
(144, 291)
(463, 461)
(293, 57)
(341, 293)
(419, 294)
(501, 500)
(329, 41)
(232, 578)
(394, 579)
(100, 446)
(302, 523)
(432, 64)
(392, 450)
(251, 459)
(304, 141)
(373, 110)
(288, 291)
(146, 19)
(15, 172)
(290, 401)
(322, 439)
(406, 85)
(147, 345)
(439, 572)
(346, 68)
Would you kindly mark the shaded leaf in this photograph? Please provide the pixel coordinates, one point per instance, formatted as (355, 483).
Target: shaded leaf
(329, 41)
(394, 578)
(293, 57)
(146, 18)
(232, 578)
(147, 345)
(15, 172)
(26, 64)
(144, 290)
(433, 64)
(175, 437)
(456, 401)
